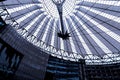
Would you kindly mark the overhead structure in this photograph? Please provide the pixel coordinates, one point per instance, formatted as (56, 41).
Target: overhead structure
(63, 33)
(72, 30)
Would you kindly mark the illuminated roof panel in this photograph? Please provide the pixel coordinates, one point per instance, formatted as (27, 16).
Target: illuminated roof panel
(94, 26)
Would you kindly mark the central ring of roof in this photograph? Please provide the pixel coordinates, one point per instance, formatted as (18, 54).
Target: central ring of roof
(50, 7)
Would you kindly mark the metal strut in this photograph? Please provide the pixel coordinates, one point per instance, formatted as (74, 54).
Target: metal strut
(63, 33)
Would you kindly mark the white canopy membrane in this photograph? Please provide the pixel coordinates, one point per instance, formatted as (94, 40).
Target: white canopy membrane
(94, 27)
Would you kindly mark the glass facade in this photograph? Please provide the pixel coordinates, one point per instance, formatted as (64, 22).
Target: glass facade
(9, 61)
(103, 72)
(62, 70)
(34, 60)
(59, 69)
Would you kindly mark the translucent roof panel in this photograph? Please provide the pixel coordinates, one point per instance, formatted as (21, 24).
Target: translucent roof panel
(94, 27)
